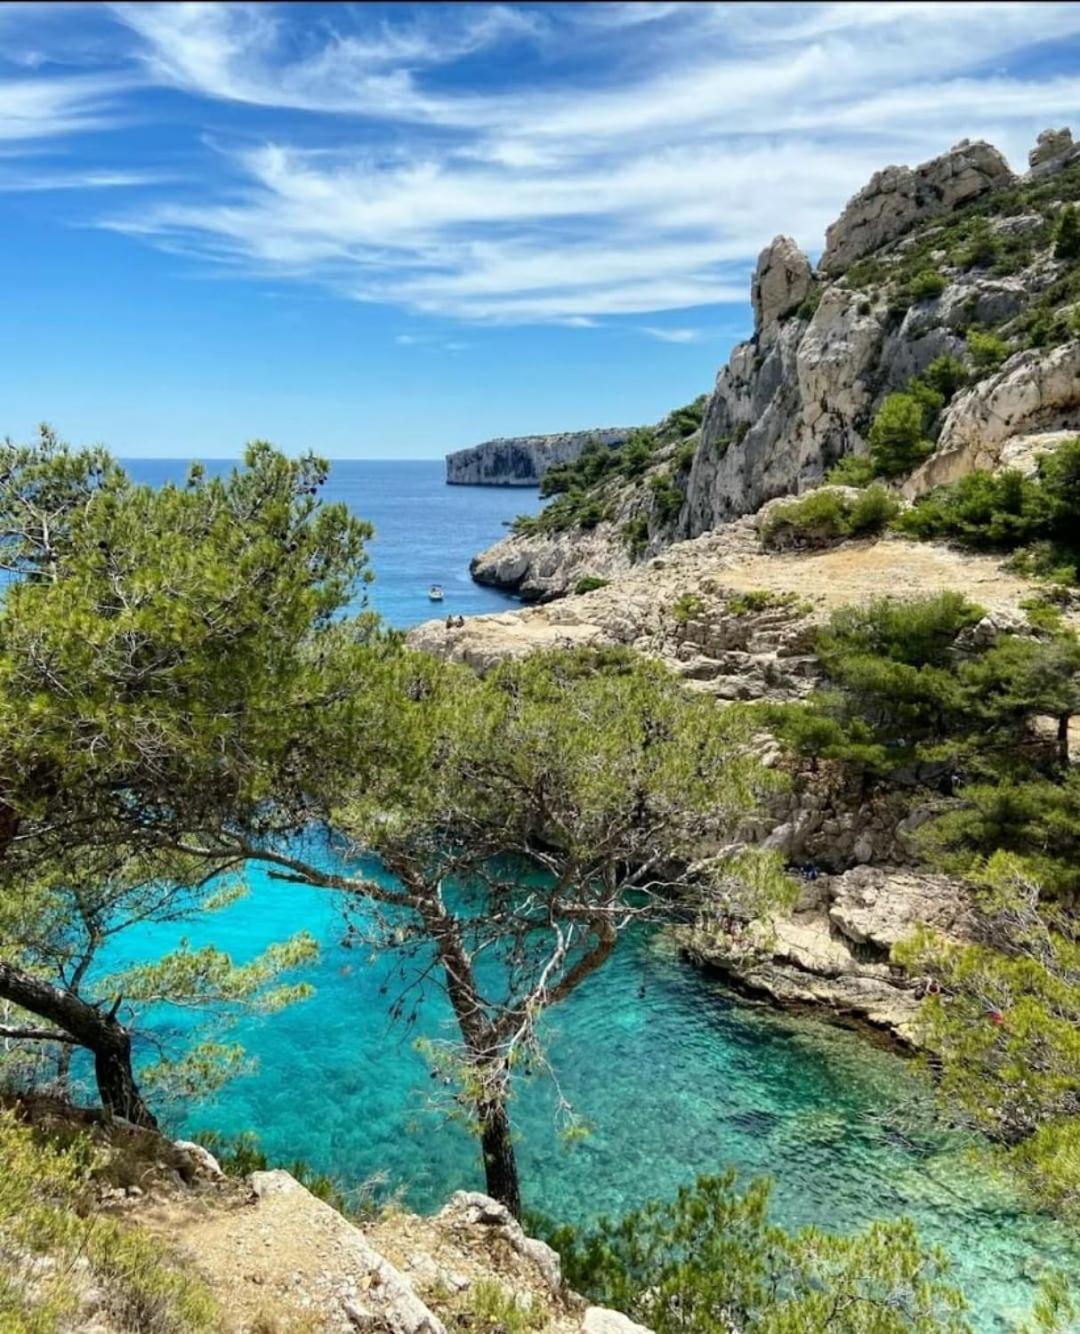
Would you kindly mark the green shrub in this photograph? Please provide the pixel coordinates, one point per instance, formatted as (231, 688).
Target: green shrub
(46, 1211)
(635, 533)
(667, 498)
(986, 350)
(897, 438)
(1006, 511)
(758, 599)
(810, 303)
(685, 421)
(711, 1260)
(981, 249)
(686, 607)
(984, 510)
(946, 375)
(489, 1308)
(816, 520)
(872, 510)
(825, 516)
(852, 470)
(927, 284)
(1067, 234)
(588, 583)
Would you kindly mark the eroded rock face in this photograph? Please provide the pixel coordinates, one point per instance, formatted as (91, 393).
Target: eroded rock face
(523, 460)
(1033, 392)
(833, 949)
(783, 411)
(1050, 144)
(897, 197)
(781, 282)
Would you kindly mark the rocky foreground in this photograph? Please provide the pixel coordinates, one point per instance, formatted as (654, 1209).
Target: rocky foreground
(279, 1260)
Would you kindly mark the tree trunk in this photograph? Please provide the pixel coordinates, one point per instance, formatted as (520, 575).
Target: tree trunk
(1063, 740)
(500, 1160)
(101, 1034)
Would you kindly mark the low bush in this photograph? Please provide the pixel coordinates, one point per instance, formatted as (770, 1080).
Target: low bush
(46, 1197)
(711, 1259)
(986, 350)
(635, 533)
(926, 285)
(1067, 234)
(825, 516)
(759, 599)
(1008, 512)
(686, 607)
(852, 470)
(588, 583)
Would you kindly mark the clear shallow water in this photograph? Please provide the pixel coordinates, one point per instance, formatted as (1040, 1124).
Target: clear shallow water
(684, 1080)
(425, 531)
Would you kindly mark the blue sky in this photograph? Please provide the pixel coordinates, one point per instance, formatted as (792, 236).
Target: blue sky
(393, 230)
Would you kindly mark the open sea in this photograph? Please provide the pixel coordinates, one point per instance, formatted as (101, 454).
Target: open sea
(425, 531)
(673, 1073)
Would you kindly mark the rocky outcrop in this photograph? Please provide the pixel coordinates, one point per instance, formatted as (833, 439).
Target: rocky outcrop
(523, 460)
(548, 565)
(1053, 150)
(1034, 392)
(782, 281)
(833, 950)
(801, 393)
(898, 197)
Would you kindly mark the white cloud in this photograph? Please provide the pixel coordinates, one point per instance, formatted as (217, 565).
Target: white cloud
(672, 335)
(42, 108)
(642, 175)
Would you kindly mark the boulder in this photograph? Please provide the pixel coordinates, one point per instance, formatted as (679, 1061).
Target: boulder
(782, 281)
(471, 1208)
(1049, 145)
(897, 197)
(601, 1320)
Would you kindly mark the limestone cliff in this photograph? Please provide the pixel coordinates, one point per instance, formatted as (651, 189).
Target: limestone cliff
(919, 260)
(523, 460)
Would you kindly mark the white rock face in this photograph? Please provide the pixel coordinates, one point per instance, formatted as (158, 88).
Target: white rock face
(1032, 390)
(899, 196)
(782, 413)
(781, 282)
(523, 460)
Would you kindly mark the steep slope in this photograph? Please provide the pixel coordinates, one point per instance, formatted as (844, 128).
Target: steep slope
(958, 258)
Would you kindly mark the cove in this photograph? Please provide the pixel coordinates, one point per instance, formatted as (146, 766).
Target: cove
(675, 1075)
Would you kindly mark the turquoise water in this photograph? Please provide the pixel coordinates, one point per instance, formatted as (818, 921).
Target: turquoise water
(674, 1074)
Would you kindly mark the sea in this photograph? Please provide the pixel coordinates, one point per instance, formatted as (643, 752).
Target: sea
(671, 1074)
(425, 531)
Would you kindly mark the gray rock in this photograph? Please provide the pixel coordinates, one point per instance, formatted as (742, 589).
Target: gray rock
(1049, 145)
(601, 1320)
(523, 460)
(781, 282)
(202, 1162)
(897, 197)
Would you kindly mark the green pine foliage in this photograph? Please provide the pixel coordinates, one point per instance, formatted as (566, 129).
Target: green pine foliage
(1067, 234)
(712, 1259)
(1007, 511)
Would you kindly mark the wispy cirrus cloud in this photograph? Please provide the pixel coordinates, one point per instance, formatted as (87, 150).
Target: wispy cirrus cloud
(566, 165)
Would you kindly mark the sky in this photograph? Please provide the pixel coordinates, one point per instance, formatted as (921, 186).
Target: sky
(390, 231)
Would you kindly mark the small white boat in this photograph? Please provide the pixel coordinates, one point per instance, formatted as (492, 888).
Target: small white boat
(435, 593)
